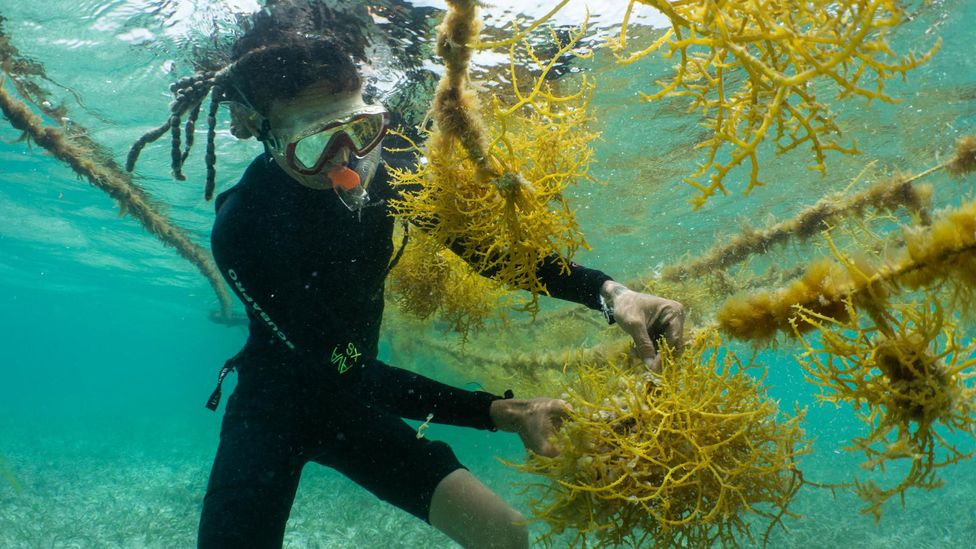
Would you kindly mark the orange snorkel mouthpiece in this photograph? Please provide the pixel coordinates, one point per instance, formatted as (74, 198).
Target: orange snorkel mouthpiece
(344, 178)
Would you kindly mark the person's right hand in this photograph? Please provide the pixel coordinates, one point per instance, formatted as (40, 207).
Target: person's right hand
(646, 318)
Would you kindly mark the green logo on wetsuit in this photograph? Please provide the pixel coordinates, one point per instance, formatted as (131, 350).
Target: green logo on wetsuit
(344, 361)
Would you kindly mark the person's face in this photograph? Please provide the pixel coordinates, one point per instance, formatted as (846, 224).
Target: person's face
(310, 110)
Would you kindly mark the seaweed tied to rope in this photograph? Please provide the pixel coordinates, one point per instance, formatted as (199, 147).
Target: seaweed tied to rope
(73, 145)
(117, 184)
(941, 253)
(495, 175)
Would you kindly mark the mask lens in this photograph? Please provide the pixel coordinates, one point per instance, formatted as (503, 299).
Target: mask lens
(308, 150)
(364, 130)
(359, 133)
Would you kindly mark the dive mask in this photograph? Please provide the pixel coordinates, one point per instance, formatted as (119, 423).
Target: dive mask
(360, 132)
(355, 133)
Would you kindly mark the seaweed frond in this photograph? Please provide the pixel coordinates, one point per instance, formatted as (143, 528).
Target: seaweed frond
(910, 374)
(495, 178)
(678, 460)
(752, 69)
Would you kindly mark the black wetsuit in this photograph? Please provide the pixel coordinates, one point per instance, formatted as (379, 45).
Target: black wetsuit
(310, 388)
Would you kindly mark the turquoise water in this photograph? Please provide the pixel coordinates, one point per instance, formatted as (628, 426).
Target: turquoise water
(109, 354)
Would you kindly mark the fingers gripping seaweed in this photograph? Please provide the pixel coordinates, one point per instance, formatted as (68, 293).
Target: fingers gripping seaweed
(909, 373)
(674, 461)
(753, 70)
(495, 185)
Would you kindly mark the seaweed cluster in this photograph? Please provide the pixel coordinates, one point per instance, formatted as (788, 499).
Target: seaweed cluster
(431, 280)
(904, 365)
(910, 373)
(681, 458)
(886, 195)
(941, 253)
(700, 283)
(751, 69)
(494, 186)
(676, 460)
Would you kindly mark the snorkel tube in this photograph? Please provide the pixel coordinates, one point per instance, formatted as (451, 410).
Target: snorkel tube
(350, 182)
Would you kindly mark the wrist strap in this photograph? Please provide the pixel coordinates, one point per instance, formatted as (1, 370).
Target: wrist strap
(607, 310)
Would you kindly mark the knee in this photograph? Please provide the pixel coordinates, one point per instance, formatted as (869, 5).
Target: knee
(508, 531)
(502, 529)
(474, 516)
(516, 534)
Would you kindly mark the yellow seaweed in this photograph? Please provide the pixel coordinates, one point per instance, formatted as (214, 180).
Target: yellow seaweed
(761, 315)
(884, 196)
(944, 253)
(672, 461)
(496, 186)
(752, 70)
(941, 253)
(910, 375)
(431, 281)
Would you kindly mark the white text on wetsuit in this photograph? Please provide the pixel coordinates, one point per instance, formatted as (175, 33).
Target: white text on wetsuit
(257, 309)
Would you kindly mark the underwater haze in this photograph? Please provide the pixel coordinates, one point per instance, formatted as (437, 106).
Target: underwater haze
(109, 351)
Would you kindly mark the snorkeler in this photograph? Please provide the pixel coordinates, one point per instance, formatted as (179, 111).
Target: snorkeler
(305, 241)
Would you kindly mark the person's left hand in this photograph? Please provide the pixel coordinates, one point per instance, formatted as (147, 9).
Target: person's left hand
(535, 420)
(646, 318)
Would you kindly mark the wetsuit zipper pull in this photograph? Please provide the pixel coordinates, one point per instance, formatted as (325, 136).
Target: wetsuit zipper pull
(214, 399)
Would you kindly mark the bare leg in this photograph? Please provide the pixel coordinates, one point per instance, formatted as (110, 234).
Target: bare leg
(474, 516)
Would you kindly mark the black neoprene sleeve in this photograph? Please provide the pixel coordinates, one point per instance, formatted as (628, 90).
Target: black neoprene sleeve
(581, 285)
(414, 396)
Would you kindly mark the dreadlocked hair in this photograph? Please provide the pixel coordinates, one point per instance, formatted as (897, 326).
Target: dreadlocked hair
(188, 93)
(285, 48)
(211, 144)
(191, 122)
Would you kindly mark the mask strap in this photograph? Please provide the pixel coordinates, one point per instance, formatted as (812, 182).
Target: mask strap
(403, 245)
(264, 133)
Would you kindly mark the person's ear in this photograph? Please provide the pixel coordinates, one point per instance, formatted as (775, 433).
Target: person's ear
(243, 122)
